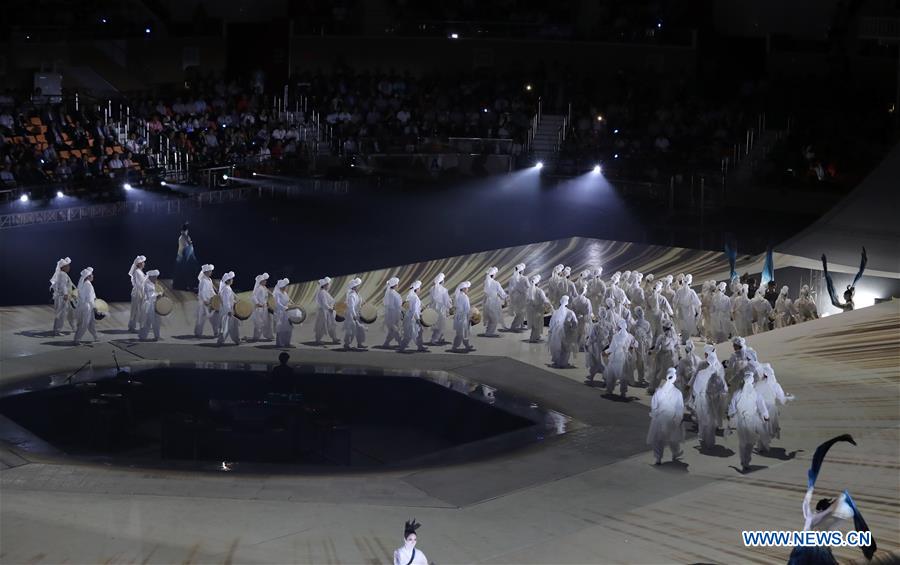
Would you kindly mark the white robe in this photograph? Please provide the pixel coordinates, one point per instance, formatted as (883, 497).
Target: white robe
(615, 372)
(353, 326)
(325, 321)
(412, 329)
(230, 327)
(61, 286)
(149, 318)
(137, 298)
(644, 336)
(537, 301)
(494, 295)
(403, 555)
(518, 299)
(261, 318)
(284, 329)
(708, 393)
(596, 293)
(806, 309)
(720, 317)
(596, 343)
(687, 312)
(393, 315)
(666, 413)
(665, 356)
(205, 292)
(749, 410)
(563, 329)
(742, 312)
(773, 396)
(762, 314)
(440, 302)
(461, 320)
(84, 315)
(583, 311)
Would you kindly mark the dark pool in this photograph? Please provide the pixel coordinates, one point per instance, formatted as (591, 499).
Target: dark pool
(323, 416)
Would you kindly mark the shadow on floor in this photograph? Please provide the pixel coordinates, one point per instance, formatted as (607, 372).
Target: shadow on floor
(750, 469)
(42, 333)
(779, 453)
(715, 451)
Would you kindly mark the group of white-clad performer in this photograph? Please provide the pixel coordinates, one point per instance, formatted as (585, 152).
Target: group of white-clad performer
(633, 330)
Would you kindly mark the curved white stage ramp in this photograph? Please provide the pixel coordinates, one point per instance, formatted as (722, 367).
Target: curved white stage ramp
(588, 496)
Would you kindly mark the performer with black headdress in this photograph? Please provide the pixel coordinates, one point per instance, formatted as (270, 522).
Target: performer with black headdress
(847, 305)
(828, 512)
(408, 554)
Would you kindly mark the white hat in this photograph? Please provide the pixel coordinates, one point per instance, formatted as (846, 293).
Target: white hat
(282, 283)
(622, 323)
(393, 281)
(598, 271)
(492, 271)
(415, 285)
(585, 274)
(87, 271)
(784, 289)
(227, 276)
(262, 277)
(355, 282)
(567, 271)
(464, 284)
(722, 286)
(63, 262)
(139, 259)
(536, 279)
(670, 374)
(558, 269)
(709, 349)
(564, 299)
(650, 277)
(325, 280)
(439, 278)
(688, 278)
(520, 267)
(739, 341)
(207, 267)
(153, 273)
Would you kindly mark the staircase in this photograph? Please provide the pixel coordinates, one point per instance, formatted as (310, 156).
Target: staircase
(547, 138)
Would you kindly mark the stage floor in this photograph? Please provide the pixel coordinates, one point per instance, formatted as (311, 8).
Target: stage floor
(588, 496)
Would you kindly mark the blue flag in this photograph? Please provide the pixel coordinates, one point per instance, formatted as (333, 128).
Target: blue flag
(768, 272)
(731, 254)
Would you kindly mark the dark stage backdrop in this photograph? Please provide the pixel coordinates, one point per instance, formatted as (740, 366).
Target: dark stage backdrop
(307, 238)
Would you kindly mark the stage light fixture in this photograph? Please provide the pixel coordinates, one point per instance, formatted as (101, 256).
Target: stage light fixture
(23, 198)
(147, 30)
(599, 118)
(454, 36)
(126, 186)
(539, 165)
(163, 183)
(254, 174)
(597, 169)
(528, 87)
(224, 177)
(616, 156)
(59, 194)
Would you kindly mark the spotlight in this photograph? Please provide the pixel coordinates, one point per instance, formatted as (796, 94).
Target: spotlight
(224, 177)
(616, 130)
(147, 30)
(454, 36)
(599, 118)
(597, 169)
(539, 165)
(528, 87)
(163, 183)
(616, 156)
(23, 198)
(103, 20)
(126, 186)
(59, 194)
(254, 174)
